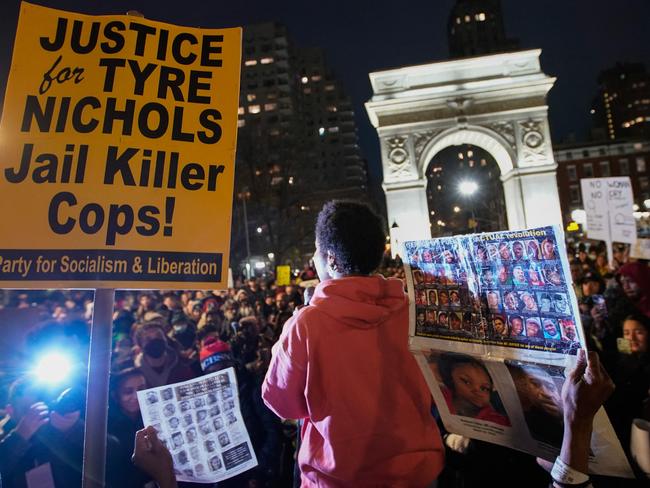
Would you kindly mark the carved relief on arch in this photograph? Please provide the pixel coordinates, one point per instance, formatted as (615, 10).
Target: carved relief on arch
(533, 142)
(421, 139)
(399, 162)
(505, 129)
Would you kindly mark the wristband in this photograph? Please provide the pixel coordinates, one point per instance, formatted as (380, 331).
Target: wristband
(565, 476)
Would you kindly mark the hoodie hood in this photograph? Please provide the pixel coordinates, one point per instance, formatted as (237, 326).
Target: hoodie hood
(360, 301)
(640, 274)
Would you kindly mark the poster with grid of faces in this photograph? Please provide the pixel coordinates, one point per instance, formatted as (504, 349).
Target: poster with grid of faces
(200, 422)
(509, 289)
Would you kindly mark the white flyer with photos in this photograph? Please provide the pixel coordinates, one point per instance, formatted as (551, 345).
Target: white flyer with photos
(200, 422)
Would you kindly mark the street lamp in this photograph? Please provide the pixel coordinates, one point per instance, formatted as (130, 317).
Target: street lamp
(467, 187)
(244, 196)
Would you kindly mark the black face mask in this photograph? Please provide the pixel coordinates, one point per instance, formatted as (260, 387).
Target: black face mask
(155, 348)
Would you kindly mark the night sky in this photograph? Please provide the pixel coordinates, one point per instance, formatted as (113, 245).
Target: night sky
(578, 39)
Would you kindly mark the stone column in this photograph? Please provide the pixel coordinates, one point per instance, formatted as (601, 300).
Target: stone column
(405, 191)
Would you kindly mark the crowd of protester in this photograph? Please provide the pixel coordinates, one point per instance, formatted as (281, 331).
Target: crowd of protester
(161, 338)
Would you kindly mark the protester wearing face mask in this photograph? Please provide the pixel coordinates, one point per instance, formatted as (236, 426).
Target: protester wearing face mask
(183, 331)
(158, 362)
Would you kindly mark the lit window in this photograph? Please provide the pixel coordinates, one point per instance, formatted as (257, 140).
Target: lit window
(250, 62)
(316, 78)
(291, 180)
(254, 109)
(333, 130)
(251, 97)
(458, 20)
(304, 79)
(481, 16)
(470, 153)
(269, 107)
(329, 87)
(266, 60)
(240, 110)
(306, 91)
(332, 108)
(640, 165)
(467, 18)
(460, 155)
(241, 123)
(321, 131)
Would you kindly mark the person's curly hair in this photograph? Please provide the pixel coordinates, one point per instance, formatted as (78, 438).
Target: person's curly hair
(353, 233)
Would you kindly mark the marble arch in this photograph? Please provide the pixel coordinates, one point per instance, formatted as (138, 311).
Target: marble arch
(496, 102)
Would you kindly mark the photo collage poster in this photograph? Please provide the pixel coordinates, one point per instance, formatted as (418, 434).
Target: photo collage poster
(508, 289)
(200, 422)
(494, 326)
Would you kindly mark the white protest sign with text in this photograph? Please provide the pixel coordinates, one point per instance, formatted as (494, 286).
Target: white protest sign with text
(609, 206)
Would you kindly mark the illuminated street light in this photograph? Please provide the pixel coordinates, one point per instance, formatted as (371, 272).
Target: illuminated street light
(456, 209)
(467, 187)
(259, 230)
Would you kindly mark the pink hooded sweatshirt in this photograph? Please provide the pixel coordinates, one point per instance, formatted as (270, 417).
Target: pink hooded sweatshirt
(343, 365)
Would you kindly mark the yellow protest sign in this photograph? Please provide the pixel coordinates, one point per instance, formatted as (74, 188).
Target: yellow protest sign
(283, 275)
(117, 149)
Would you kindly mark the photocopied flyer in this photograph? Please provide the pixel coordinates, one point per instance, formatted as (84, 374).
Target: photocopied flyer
(200, 422)
(495, 329)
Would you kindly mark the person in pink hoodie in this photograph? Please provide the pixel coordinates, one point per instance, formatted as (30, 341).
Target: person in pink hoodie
(343, 365)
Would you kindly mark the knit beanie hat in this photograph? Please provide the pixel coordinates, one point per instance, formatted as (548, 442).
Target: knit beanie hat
(214, 351)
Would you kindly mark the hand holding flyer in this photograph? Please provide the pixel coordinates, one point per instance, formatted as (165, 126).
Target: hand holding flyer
(151, 456)
(200, 423)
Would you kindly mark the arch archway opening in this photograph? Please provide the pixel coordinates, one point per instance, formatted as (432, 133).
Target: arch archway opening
(464, 192)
